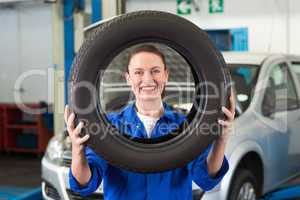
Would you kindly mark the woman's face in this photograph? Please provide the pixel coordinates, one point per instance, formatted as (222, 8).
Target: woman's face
(147, 76)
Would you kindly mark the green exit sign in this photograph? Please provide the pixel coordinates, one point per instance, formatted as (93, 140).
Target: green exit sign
(216, 6)
(183, 7)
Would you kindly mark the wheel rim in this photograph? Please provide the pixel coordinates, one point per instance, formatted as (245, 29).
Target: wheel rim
(247, 192)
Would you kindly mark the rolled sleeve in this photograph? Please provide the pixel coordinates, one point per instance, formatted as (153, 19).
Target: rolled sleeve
(200, 171)
(90, 187)
(202, 177)
(98, 168)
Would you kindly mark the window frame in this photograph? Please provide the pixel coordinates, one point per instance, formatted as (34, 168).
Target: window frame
(291, 78)
(295, 78)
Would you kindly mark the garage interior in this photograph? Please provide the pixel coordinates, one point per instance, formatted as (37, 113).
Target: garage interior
(39, 40)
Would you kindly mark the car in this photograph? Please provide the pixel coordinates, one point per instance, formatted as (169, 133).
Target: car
(263, 150)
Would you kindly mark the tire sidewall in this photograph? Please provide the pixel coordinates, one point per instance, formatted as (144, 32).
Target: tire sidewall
(187, 39)
(242, 176)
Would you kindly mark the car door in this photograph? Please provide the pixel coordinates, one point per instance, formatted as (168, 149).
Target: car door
(294, 148)
(280, 117)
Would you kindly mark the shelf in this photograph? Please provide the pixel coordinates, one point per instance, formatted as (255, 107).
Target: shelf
(21, 131)
(25, 150)
(1, 127)
(22, 126)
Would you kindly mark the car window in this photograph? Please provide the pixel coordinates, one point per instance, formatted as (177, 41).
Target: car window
(244, 78)
(281, 84)
(295, 68)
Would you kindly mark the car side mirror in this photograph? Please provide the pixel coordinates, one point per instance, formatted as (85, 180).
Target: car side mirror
(269, 102)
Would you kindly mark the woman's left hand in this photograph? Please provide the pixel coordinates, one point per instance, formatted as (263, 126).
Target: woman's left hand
(228, 123)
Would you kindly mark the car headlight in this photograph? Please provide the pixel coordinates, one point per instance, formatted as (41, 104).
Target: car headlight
(54, 152)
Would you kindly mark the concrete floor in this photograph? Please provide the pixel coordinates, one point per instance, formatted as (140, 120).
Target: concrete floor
(20, 170)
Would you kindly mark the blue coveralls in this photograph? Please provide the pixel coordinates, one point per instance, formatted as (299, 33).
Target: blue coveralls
(119, 184)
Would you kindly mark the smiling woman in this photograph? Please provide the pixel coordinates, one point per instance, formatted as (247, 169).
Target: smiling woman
(110, 117)
(146, 76)
(168, 75)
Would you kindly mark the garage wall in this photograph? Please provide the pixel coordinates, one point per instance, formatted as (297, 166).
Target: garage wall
(109, 8)
(295, 26)
(26, 52)
(273, 25)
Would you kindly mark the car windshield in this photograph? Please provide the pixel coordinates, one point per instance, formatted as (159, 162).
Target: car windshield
(244, 77)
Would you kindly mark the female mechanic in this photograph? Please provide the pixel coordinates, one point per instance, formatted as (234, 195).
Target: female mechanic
(147, 74)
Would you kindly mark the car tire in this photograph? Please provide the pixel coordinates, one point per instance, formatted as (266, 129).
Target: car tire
(207, 64)
(244, 186)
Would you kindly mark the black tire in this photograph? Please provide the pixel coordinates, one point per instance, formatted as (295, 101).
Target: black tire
(241, 178)
(193, 44)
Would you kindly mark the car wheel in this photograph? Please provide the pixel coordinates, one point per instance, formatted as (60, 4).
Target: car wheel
(244, 186)
(208, 68)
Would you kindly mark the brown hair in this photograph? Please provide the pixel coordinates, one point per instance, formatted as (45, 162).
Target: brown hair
(146, 48)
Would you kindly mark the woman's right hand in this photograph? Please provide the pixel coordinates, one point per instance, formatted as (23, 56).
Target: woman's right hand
(77, 141)
(80, 168)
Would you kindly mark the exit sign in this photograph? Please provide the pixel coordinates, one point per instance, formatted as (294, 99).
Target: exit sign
(216, 6)
(183, 7)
